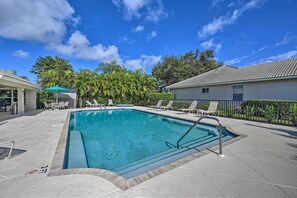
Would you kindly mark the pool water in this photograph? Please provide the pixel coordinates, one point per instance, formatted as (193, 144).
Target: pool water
(117, 140)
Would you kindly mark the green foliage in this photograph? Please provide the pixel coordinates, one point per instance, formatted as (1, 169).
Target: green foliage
(174, 69)
(121, 86)
(53, 71)
(43, 97)
(160, 96)
(108, 81)
(269, 112)
(109, 68)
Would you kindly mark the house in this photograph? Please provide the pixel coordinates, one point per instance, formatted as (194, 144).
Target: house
(16, 89)
(274, 80)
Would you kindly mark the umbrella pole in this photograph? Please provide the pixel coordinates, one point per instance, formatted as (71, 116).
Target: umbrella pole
(57, 97)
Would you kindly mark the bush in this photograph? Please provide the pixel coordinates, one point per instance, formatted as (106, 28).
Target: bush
(160, 96)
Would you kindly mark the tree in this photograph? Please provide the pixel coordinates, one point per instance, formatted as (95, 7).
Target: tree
(14, 72)
(53, 71)
(108, 68)
(177, 68)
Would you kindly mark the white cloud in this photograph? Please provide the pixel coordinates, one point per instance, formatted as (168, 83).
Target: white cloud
(139, 28)
(156, 12)
(235, 60)
(288, 38)
(143, 62)
(126, 39)
(217, 3)
(21, 54)
(286, 55)
(35, 20)
(78, 46)
(211, 45)
(219, 23)
(262, 48)
(151, 10)
(151, 35)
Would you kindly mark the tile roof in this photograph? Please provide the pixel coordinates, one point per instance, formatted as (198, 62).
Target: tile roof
(227, 74)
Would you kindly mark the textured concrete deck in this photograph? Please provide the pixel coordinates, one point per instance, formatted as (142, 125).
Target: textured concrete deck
(264, 164)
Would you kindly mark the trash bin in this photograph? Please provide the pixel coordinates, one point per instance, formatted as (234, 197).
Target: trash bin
(14, 108)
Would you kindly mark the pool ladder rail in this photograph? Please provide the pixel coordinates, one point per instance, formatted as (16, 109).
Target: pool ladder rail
(221, 133)
(11, 147)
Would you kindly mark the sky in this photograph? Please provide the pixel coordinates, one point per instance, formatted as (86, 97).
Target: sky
(140, 33)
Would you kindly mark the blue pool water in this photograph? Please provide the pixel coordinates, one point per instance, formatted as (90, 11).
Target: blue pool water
(130, 142)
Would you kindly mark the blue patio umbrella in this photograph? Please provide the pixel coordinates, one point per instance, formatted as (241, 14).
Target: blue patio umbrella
(57, 89)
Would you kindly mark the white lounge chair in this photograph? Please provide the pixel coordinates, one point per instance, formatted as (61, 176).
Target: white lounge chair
(110, 103)
(89, 104)
(96, 104)
(191, 108)
(168, 106)
(158, 105)
(212, 109)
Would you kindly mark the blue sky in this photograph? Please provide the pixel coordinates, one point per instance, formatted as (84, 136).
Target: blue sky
(139, 33)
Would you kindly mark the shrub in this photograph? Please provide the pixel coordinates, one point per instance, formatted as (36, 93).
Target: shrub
(160, 96)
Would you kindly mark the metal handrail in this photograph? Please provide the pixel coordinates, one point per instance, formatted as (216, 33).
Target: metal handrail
(221, 133)
(11, 148)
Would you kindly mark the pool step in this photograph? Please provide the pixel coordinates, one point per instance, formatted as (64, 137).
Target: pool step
(152, 162)
(77, 156)
(164, 153)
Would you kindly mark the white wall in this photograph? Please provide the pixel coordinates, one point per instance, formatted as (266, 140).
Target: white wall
(276, 90)
(220, 92)
(21, 101)
(30, 100)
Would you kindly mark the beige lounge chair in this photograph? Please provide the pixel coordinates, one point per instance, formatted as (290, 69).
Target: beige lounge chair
(89, 104)
(191, 108)
(212, 109)
(158, 105)
(168, 106)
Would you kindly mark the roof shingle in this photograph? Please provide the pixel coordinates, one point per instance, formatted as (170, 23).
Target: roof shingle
(228, 74)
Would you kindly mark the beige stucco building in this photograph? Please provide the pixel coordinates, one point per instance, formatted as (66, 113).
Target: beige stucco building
(21, 91)
(275, 81)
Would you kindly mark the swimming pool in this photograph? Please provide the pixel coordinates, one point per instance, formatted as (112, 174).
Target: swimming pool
(131, 142)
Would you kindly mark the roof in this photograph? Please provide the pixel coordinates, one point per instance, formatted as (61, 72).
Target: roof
(230, 75)
(11, 77)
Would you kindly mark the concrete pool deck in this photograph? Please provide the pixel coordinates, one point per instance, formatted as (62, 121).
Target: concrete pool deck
(264, 164)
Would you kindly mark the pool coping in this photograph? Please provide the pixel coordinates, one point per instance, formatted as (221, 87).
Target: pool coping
(56, 168)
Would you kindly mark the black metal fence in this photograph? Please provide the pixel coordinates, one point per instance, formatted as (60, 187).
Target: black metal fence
(270, 111)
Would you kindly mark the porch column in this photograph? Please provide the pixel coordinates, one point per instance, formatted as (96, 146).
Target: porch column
(30, 100)
(21, 100)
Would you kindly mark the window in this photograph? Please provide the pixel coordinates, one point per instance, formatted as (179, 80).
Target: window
(205, 90)
(238, 92)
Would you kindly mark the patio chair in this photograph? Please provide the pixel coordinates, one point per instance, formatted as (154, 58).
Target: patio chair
(191, 108)
(47, 106)
(212, 109)
(89, 104)
(110, 102)
(66, 105)
(158, 105)
(96, 104)
(60, 105)
(168, 106)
